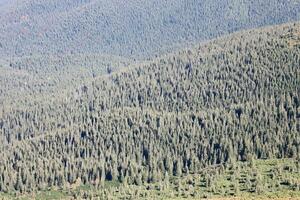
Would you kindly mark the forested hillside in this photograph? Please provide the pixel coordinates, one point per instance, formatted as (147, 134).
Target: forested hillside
(215, 105)
(38, 77)
(128, 28)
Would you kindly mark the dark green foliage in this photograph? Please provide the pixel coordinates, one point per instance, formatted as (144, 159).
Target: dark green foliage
(232, 99)
(191, 186)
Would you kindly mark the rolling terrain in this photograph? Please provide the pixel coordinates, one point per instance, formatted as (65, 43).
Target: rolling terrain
(132, 28)
(230, 105)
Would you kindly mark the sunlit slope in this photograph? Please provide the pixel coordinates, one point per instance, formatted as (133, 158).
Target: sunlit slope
(231, 99)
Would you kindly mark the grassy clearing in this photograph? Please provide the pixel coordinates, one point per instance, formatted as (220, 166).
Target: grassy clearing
(261, 179)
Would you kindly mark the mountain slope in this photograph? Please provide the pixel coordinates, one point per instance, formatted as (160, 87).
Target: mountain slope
(30, 77)
(134, 28)
(233, 98)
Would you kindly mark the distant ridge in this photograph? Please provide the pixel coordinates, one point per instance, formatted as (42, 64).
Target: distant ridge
(135, 28)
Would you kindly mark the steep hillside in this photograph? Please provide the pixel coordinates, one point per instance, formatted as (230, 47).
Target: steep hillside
(131, 28)
(232, 99)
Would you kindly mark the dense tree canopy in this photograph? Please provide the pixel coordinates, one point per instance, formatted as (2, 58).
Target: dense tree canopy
(232, 99)
(133, 28)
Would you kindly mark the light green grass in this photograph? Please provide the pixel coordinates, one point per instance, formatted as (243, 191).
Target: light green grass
(193, 186)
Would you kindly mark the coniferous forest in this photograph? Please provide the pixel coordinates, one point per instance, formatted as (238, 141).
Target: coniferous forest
(217, 119)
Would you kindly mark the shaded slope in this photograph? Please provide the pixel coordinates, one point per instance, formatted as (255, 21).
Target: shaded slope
(35, 77)
(134, 28)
